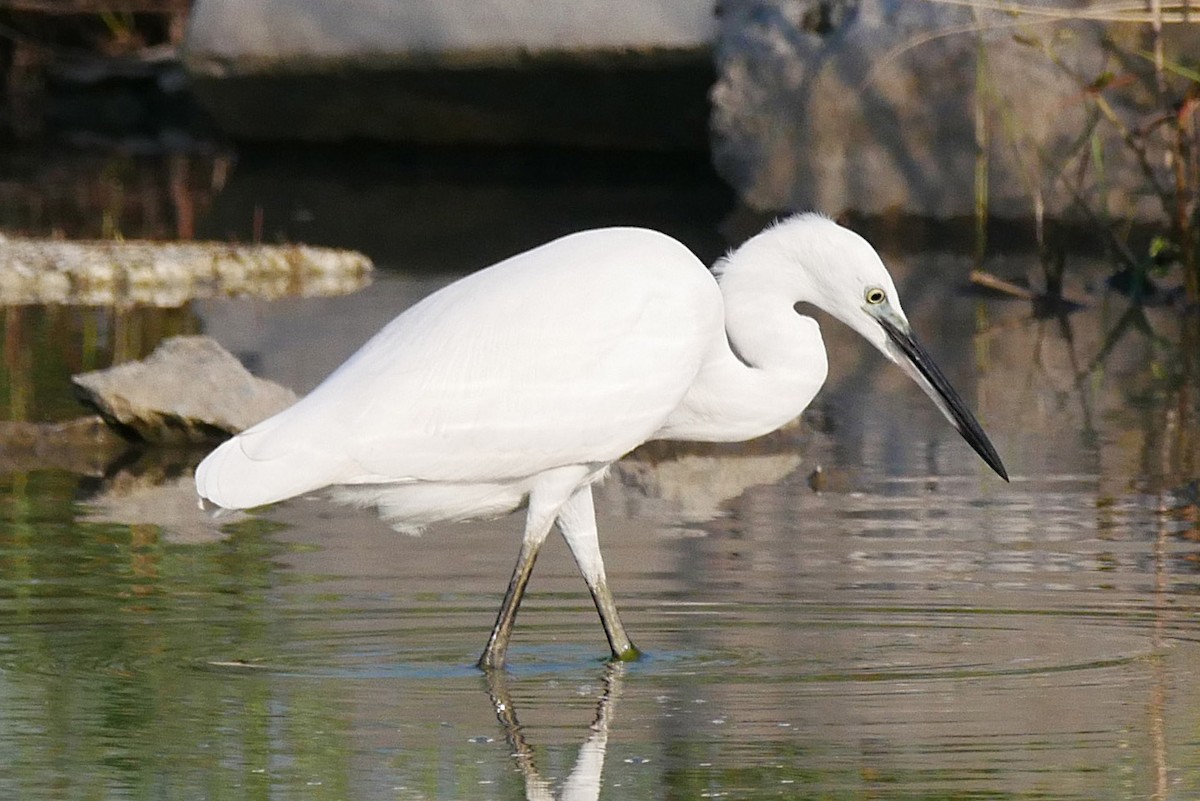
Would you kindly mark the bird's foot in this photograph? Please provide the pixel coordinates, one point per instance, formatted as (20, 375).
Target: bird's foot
(629, 654)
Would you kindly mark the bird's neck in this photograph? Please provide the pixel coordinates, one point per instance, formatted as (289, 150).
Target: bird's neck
(766, 365)
(761, 288)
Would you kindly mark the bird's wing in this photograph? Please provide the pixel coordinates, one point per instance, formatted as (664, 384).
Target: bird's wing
(571, 353)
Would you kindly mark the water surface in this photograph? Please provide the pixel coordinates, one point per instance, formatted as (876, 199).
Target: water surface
(901, 625)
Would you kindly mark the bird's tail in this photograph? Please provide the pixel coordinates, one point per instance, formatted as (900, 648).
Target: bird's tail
(231, 478)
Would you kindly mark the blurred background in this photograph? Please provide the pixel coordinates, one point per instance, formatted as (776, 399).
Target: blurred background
(851, 608)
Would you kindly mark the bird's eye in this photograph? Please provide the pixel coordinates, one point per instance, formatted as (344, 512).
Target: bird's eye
(875, 296)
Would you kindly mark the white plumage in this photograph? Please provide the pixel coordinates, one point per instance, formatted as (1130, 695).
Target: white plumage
(506, 373)
(523, 382)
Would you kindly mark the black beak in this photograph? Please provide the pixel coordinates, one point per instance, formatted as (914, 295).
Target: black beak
(937, 387)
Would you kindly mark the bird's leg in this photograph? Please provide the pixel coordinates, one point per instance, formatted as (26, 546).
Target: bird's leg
(497, 646)
(498, 643)
(577, 522)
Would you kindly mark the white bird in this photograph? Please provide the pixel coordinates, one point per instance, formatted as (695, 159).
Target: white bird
(521, 383)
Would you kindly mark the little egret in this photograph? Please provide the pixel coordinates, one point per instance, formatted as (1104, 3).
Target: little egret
(523, 383)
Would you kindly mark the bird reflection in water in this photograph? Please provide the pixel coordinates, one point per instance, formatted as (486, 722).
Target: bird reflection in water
(583, 783)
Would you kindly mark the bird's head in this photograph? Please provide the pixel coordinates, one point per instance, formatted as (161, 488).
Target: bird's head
(838, 271)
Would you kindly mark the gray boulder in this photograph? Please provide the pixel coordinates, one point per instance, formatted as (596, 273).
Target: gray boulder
(928, 108)
(188, 390)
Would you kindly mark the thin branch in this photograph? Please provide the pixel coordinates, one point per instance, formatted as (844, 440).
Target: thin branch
(1166, 13)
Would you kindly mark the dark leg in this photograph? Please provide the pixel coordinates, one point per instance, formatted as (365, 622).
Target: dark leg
(577, 522)
(545, 500)
(497, 647)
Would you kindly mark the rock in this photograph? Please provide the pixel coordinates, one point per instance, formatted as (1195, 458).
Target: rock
(86, 446)
(188, 390)
(168, 274)
(885, 106)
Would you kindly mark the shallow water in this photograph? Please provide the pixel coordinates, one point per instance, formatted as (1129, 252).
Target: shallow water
(913, 628)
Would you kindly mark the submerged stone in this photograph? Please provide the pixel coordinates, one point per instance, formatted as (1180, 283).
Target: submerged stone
(85, 446)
